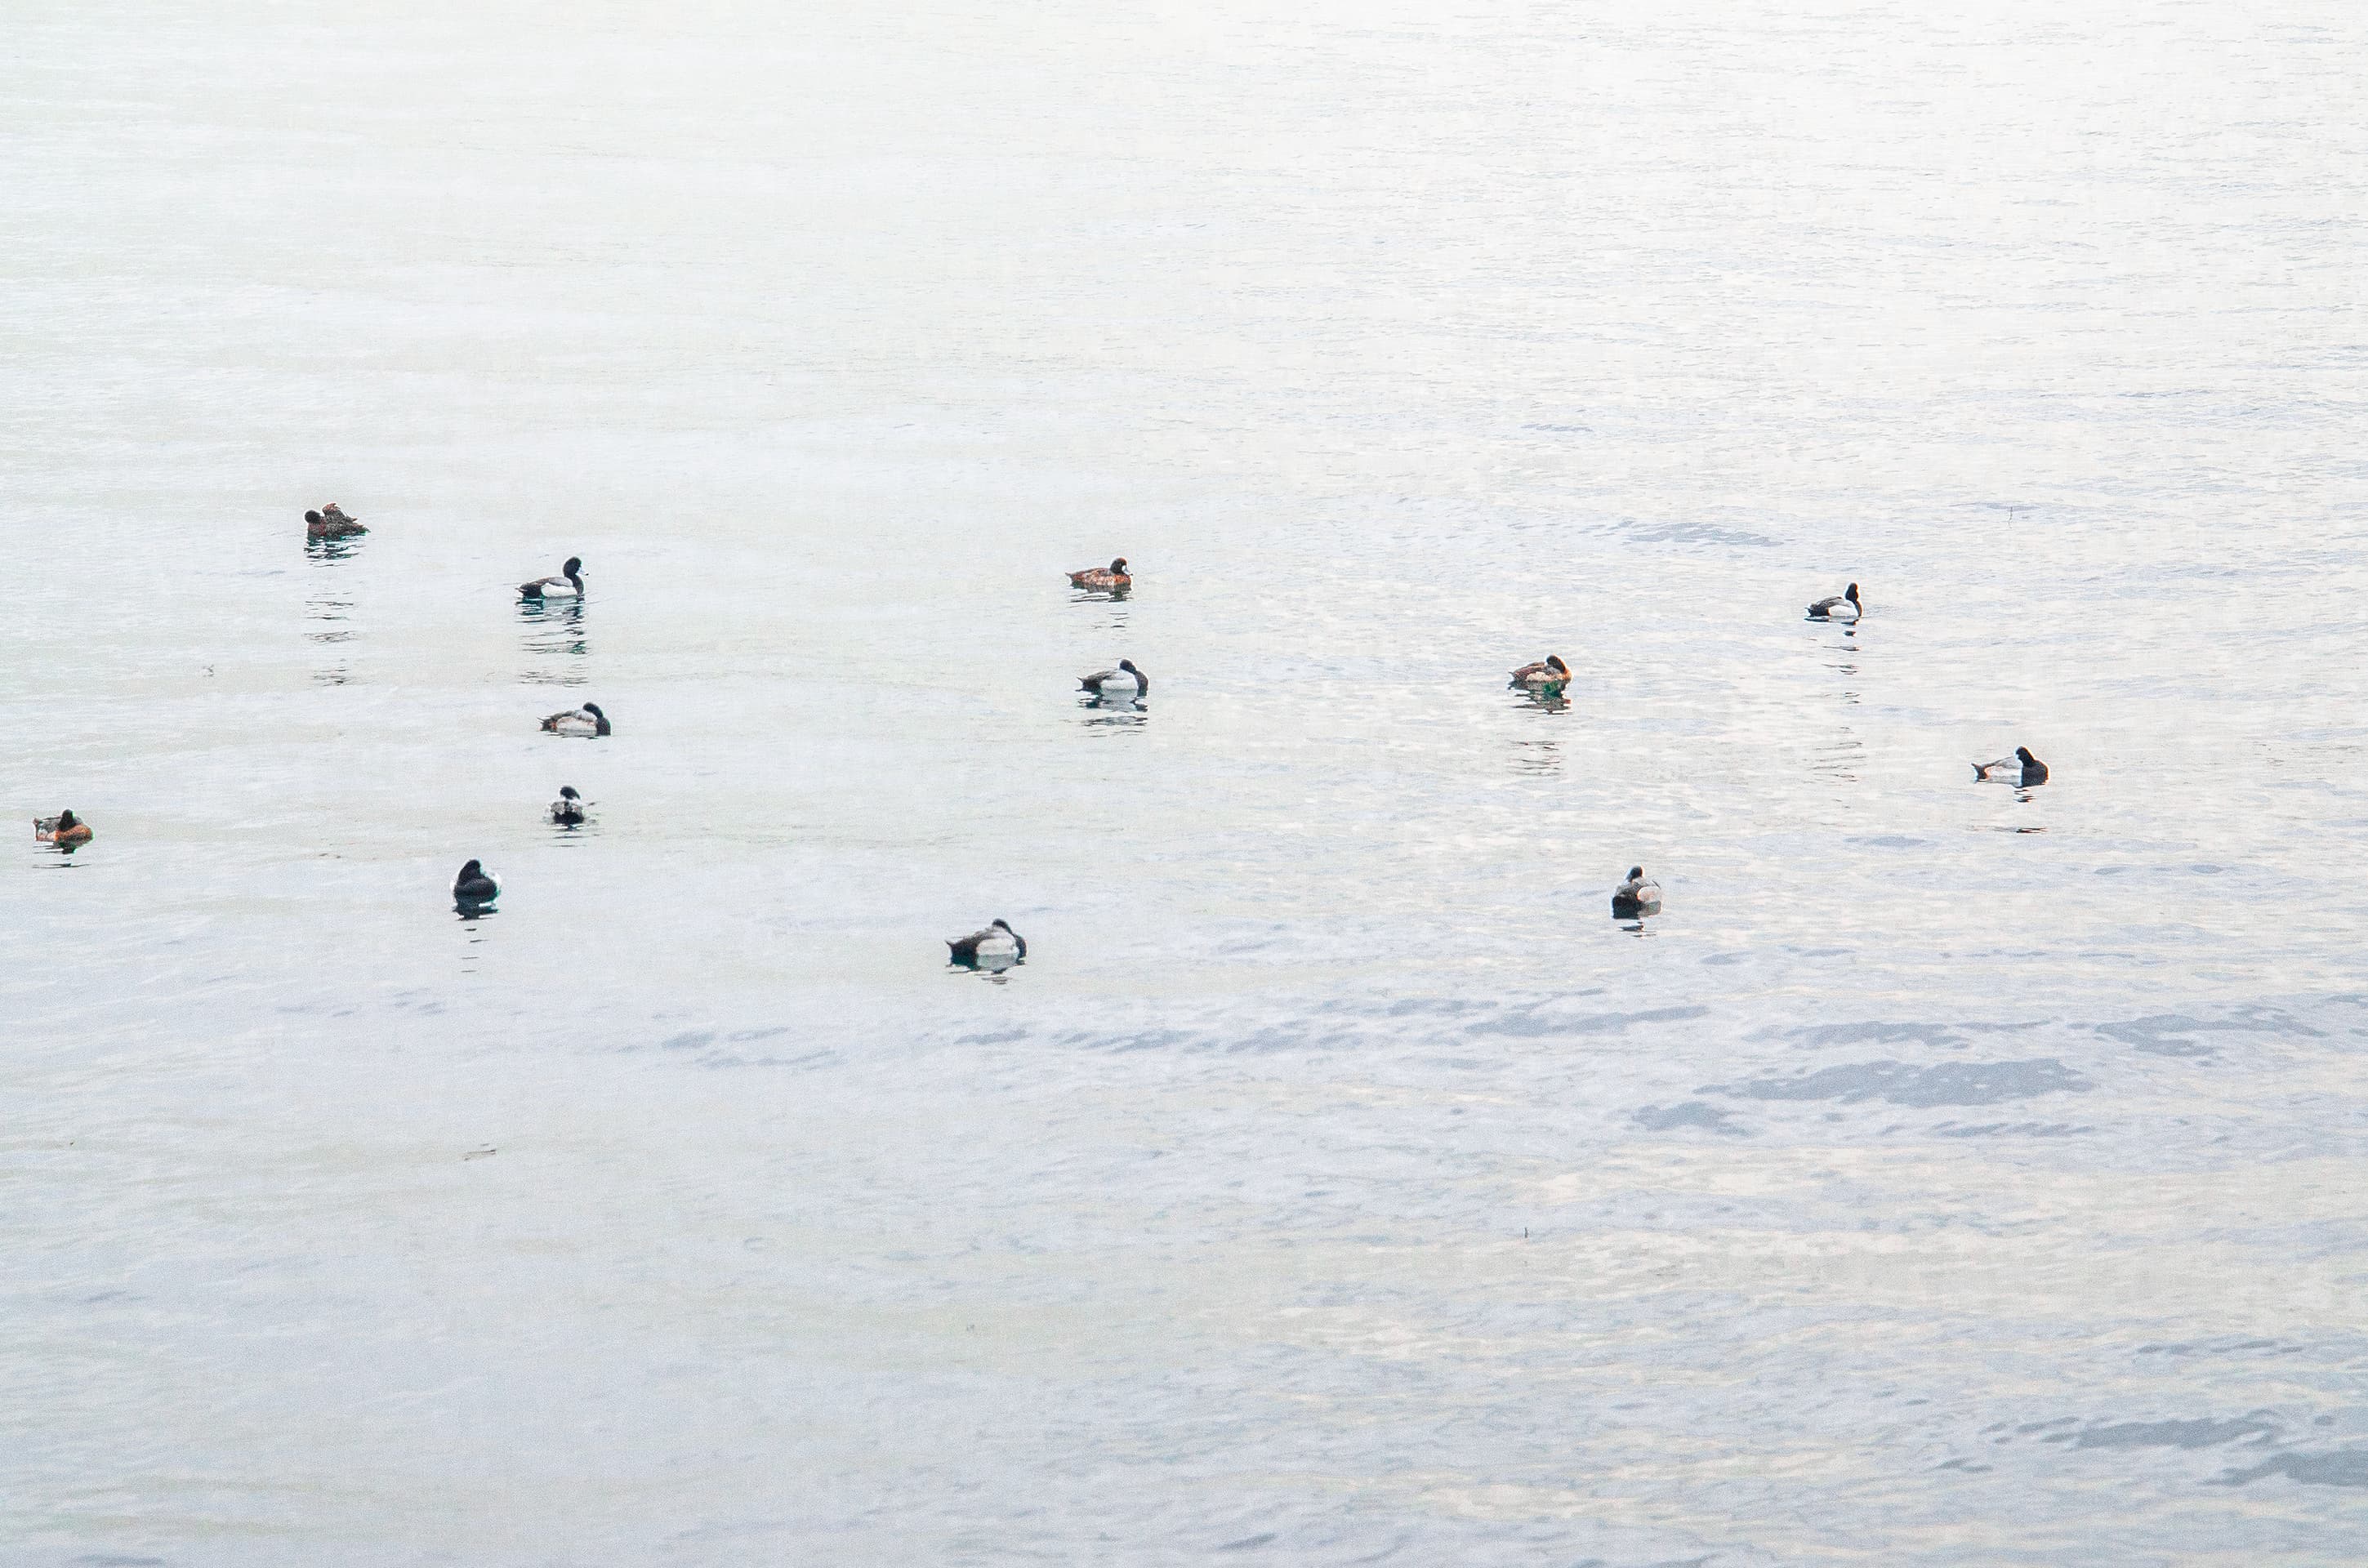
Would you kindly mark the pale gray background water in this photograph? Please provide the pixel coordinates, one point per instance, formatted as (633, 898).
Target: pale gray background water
(1336, 1183)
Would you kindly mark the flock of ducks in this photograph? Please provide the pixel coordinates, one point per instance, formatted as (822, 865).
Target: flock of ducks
(1638, 895)
(994, 946)
(997, 945)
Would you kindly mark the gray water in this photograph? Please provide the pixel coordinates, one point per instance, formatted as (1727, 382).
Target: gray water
(1947, 1175)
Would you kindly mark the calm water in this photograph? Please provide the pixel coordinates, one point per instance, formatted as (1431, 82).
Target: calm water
(1946, 1177)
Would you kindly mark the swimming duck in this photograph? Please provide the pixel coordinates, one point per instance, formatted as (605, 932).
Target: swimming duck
(1112, 683)
(992, 943)
(1636, 897)
(586, 721)
(1548, 674)
(65, 830)
(2029, 769)
(331, 523)
(1107, 579)
(1844, 607)
(568, 585)
(475, 884)
(568, 809)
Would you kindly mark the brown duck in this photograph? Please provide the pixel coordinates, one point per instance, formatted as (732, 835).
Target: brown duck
(1104, 579)
(331, 522)
(1549, 674)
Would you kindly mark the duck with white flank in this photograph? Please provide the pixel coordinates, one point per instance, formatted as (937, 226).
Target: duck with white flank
(65, 830)
(586, 721)
(1107, 579)
(991, 945)
(2028, 770)
(568, 585)
(475, 885)
(568, 809)
(1546, 678)
(1124, 684)
(1636, 897)
(1842, 606)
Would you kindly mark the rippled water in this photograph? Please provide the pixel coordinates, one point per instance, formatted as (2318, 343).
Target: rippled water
(1949, 1175)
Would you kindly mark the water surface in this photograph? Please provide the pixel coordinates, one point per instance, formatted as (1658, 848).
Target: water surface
(1947, 1175)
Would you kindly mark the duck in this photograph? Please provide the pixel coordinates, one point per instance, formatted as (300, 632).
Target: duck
(330, 522)
(995, 942)
(1107, 579)
(2029, 769)
(1549, 674)
(1636, 897)
(475, 884)
(1112, 683)
(568, 809)
(586, 721)
(1844, 607)
(65, 830)
(568, 585)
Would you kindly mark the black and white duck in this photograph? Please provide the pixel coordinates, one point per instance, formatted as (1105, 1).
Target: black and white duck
(1843, 606)
(2026, 769)
(568, 585)
(1636, 897)
(995, 943)
(586, 721)
(1124, 684)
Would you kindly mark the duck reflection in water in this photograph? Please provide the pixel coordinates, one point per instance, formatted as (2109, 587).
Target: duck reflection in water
(554, 629)
(1537, 756)
(327, 608)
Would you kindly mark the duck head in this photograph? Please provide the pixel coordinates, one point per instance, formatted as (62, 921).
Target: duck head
(567, 792)
(2024, 752)
(67, 820)
(1553, 663)
(314, 518)
(471, 872)
(1850, 593)
(574, 564)
(1635, 874)
(1119, 565)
